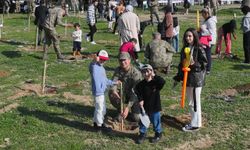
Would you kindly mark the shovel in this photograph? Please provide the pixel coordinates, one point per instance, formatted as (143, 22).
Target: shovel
(144, 118)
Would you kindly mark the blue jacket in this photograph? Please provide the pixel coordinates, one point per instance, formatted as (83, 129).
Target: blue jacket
(99, 80)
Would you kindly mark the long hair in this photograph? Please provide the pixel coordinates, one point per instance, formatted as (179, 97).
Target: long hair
(195, 35)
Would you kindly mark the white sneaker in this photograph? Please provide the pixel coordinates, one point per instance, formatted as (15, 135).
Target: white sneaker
(87, 38)
(189, 128)
(93, 42)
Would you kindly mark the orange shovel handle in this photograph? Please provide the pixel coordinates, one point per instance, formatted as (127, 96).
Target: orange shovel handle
(183, 92)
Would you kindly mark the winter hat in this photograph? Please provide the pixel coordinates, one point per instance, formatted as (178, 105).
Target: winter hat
(124, 55)
(146, 67)
(103, 55)
(129, 8)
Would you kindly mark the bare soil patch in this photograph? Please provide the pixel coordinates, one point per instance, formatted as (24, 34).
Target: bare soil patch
(29, 89)
(4, 74)
(179, 121)
(86, 100)
(8, 108)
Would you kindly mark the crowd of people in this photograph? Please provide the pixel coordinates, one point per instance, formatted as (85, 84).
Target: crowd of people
(141, 85)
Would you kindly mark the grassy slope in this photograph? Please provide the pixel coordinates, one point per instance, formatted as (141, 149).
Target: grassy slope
(55, 123)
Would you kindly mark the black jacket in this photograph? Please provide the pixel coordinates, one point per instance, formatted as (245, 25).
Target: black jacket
(149, 92)
(196, 76)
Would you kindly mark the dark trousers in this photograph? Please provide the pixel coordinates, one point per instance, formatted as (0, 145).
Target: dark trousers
(92, 29)
(76, 46)
(209, 59)
(246, 46)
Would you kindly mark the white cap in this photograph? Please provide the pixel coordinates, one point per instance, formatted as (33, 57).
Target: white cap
(103, 55)
(129, 8)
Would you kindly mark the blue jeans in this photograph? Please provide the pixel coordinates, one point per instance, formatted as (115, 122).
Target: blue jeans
(176, 42)
(209, 59)
(155, 119)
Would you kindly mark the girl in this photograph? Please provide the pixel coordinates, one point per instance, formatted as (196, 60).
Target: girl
(196, 76)
(225, 32)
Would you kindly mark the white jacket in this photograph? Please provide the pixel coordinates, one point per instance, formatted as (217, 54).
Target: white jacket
(211, 28)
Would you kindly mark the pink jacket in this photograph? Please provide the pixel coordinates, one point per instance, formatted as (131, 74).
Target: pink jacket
(128, 47)
(204, 40)
(169, 25)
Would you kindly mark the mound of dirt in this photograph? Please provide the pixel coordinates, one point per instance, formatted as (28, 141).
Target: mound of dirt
(86, 100)
(4, 74)
(29, 48)
(129, 127)
(179, 121)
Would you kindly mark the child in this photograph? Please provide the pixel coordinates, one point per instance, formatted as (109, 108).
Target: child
(176, 31)
(246, 30)
(225, 32)
(196, 77)
(129, 47)
(148, 92)
(205, 39)
(77, 40)
(99, 85)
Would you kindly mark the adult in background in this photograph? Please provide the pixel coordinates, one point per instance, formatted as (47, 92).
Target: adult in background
(159, 53)
(118, 12)
(129, 76)
(91, 20)
(54, 18)
(210, 23)
(153, 5)
(40, 14)
(245, 26)
(129, 26)
(169, 28)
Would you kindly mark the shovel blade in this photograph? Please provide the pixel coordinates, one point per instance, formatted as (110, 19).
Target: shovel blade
(145, 120)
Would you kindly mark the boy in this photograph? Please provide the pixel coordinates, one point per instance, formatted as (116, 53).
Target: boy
(77, 39)
(129, 47)
(99, 85)
(148, 92)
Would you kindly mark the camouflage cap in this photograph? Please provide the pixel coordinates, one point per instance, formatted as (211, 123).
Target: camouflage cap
(124, 55)
(156, 33)
(146, 66)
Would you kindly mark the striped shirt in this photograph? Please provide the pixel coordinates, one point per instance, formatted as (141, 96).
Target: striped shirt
(91, 15)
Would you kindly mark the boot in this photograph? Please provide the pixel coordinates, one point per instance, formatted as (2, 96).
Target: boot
(157, 137)
(141, 138)
(74, 53)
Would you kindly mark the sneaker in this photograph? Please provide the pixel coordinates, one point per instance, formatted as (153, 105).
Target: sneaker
(61, 57)
(87, 38)
(141, 138)
(189, 128)
(156, 138)
(93, 42)
(96, 127)
(207, 72)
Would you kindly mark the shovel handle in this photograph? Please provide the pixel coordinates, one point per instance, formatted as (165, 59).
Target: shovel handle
(121, 96)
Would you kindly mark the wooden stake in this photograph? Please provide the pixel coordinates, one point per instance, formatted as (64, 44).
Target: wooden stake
(36, 44)
(29, 22)
(44, 76)
(198, 19)
(121, 95)
(65, 29)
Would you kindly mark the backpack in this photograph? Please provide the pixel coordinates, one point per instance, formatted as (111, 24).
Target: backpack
(175, 22)
(161, 28)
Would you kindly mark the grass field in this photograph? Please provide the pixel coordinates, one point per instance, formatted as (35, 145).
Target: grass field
(63, 120)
